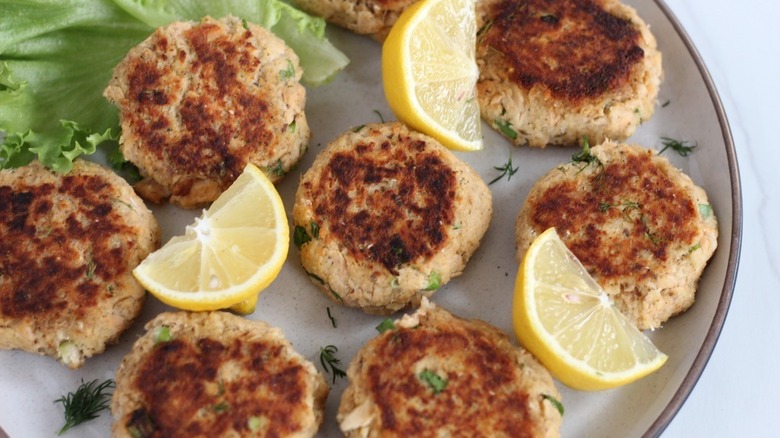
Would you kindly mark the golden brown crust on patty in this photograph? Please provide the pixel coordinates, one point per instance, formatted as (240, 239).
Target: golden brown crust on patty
(198, 101)
(69, 243)
(486, 385)
(549, 70)
(575, 49)
(640, 227)
(364, 17)
(216, 374)
(394, 212)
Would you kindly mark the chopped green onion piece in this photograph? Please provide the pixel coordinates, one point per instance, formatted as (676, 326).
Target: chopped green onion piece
(163, 334)
(434, 381)
(555, 402)
(434, 281)
(385, 325)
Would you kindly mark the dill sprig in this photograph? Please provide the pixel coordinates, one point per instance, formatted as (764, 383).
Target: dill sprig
(681, 147)
(86, 403)
(506, 171)
(330, 362)
(332, 319)
(584, 155)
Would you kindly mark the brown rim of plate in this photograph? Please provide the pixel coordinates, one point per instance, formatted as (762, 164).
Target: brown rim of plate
(707, 347)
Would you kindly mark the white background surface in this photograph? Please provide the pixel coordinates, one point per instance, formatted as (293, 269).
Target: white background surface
(739, 392)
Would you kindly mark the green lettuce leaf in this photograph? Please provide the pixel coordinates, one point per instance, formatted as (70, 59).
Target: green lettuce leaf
(305, 34)
(56, 58)
(53, 152)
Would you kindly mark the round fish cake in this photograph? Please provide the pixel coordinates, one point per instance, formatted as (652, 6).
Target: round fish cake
(198, 101)
(434, 374)
(386, 215)
(364, 17)
(68, 244)
(640, 226)
(555, 72)
(215, 374)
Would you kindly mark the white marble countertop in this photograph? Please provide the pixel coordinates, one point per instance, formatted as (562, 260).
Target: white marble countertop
(738, 393)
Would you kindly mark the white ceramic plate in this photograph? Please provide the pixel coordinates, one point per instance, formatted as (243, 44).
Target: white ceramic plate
(29, 384)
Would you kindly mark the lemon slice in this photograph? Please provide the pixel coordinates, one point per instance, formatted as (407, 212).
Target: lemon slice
(245, 307)
(232, 252)
(568, 322)
(430, 73)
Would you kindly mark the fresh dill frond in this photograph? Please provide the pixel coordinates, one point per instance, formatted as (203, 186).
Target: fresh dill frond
(584, 155)
(330, 363)
(379, 114)
(681, 147)
(86, 403)
(332, 319)
(506, 171)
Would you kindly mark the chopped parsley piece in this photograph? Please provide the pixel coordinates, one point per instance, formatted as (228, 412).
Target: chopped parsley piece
(665, 104)
(301, 236)
(434, 381)
(275, 170)
(555, 402)
(221, 407)
(86, 403)
(506, 170)
(330, 363)
(385, 325)
(681, 147)
(314, 229)
(505, 127)
(289, 72)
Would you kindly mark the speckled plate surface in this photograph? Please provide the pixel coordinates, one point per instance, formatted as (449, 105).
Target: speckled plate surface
(29, 383)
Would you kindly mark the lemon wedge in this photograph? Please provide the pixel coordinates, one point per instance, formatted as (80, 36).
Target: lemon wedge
(563, 317)
(429, 72)
(232, 252)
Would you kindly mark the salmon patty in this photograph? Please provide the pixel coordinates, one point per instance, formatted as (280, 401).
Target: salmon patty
(555, 72)
(215, 374)
(68, 244)
(431, 374)
(641, 227)
(198, 101)
(364, 17)
(386, 215)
